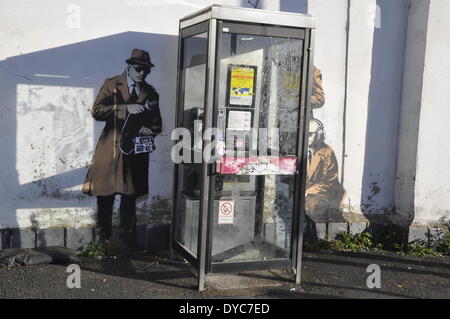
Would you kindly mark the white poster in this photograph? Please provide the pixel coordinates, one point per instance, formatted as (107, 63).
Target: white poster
(239, 120)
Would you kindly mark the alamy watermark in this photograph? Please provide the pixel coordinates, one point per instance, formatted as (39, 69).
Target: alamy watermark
(374, 279)
(73, 20)
(74, 279)
(196, 146)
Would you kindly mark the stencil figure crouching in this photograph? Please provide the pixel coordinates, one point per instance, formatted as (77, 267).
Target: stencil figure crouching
(324, 192)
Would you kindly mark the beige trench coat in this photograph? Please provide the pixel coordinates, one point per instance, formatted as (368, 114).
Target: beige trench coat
(112, 172)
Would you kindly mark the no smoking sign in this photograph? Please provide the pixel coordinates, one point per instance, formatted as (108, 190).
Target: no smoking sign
(226, 212)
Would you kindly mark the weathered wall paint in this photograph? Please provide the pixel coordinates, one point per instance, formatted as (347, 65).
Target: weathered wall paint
(359, 62)
(409, 117)
(53, 60)
(432, 193)
(51, 70)
(385, 93)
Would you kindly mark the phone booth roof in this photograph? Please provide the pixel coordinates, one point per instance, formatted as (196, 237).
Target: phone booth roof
(249, 15)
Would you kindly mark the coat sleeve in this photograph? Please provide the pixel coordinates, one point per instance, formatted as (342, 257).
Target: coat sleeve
(104, 105)
(153, 115)
(327, 177)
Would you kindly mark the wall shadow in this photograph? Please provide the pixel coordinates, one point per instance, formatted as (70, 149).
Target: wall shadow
(385, 96)
(297, 6)
(46, 97)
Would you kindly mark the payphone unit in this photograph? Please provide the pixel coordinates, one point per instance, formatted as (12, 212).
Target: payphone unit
(240, 146)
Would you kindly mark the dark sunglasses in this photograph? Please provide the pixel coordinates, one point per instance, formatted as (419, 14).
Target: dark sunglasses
(141, 68)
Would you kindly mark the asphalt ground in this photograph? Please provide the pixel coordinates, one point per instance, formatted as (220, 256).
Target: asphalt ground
(325, 275)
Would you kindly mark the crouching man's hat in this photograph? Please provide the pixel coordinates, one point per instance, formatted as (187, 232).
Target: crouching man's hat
(140, 57)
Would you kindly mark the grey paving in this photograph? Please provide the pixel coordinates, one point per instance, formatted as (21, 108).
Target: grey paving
(325, 275)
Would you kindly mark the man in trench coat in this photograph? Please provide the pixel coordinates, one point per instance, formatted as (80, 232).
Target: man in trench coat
(123, 99)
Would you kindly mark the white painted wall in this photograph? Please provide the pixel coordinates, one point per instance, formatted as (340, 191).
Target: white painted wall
(409, 117)
(359, 68)
(385, 93)
(331, 19)
(432, 192)
(364, 126)
(54, 56)
(376, 49)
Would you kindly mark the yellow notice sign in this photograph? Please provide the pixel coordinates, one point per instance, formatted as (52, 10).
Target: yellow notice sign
(241, 86)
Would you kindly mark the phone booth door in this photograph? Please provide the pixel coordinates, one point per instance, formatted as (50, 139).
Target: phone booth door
(257, 110)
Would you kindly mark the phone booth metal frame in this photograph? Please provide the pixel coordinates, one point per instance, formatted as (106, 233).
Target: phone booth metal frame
(211, 23)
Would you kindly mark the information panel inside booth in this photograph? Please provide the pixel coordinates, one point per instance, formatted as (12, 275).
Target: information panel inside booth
(244, 83)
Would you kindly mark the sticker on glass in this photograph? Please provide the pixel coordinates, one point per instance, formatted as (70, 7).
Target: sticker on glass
(239, 120)
(226, 212)
(242, 80)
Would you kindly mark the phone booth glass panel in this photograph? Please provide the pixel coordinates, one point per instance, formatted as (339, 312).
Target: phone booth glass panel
(191, 106)
(261, 130)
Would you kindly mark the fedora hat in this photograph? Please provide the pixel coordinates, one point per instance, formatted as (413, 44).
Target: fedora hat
(140, 57)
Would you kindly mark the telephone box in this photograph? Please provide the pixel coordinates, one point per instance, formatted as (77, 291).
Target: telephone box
(240, 148)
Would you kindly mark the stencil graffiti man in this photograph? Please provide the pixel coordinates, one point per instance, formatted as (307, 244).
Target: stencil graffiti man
(324, 192)
(129, 106)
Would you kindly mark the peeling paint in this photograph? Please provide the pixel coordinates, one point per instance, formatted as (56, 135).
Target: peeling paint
(74, 217)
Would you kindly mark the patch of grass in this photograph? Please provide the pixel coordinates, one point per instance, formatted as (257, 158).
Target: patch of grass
(391, 238)
(421, 249)
(385, 239)
(109, 248)
(94, 250)
(444, 246)
(113, 247)
(440, 245)
(347, 241)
